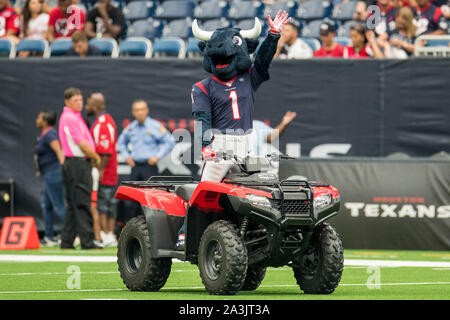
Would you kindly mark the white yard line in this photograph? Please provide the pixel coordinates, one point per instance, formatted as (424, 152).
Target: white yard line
(397, 263)
(54, 258)
(347, 262)
(199, 287)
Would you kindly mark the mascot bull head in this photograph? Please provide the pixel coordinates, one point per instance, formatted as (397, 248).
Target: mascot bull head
(226, 51)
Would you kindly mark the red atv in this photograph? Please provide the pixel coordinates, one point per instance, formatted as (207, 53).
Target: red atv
(235, 229)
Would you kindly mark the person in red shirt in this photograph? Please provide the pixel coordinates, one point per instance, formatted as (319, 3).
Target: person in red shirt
(64, 20)
(329, 49)
(104, 131)
(404, 3)
(9, 22)
(363, 44)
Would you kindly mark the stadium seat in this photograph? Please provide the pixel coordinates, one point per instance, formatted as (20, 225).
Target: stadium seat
(175, 9)
(60, 46)
(7, 48)
(245, 10)
(180, 28)
(213, 24)
(211, 10)
(39, 46)
(117, 4)
(272, 9)
(192, 49)
(345, 41)
(148, 28)
(313, 10)
(439, 41)
(344, 29)
(108, 46)
(312, 42)
(138, 10)
(169, 47)
(436, 46)
(311, 29)
(344, 11)
(136, 46)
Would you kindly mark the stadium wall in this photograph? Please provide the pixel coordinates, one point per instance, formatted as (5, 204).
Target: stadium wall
(345, 108)
(385, 203)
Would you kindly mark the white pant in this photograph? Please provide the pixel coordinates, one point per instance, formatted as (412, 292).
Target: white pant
(241, 146)
(95, 178)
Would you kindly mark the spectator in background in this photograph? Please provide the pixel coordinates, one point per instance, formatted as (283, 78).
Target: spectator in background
(404, 3)
(429, 19)
(265, 134)
(445, 7)
(81, 46)
(64, 20)
(329, 48)
(388, 13)
(104, 131)
(9, 22)
(77, 3)
(149, 140)
(400, 42)
(290, 46)
(79, 150)
(34, 21)
(47, 5)
(94, 207)
(104, 21)
(49, 159)
(363, 44)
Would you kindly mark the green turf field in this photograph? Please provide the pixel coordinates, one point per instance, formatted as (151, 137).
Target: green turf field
(427, 276)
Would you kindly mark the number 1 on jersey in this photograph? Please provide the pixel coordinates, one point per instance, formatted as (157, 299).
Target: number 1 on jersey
(234, 105)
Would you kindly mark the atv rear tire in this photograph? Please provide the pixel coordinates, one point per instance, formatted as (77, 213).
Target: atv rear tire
(255, 275)
(222, 259)
(139, 271)
(319, 269)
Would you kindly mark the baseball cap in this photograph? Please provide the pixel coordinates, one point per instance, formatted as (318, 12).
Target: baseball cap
(326, 28)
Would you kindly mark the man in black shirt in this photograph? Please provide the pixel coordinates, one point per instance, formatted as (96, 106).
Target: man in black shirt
(104, 21)
(81, 47)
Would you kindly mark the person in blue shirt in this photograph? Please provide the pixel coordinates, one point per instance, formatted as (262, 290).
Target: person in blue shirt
(143, 143)
(49, 158)
(263, 134)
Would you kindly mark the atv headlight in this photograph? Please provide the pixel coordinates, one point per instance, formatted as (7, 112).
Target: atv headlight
(259, 201)
(322, 201)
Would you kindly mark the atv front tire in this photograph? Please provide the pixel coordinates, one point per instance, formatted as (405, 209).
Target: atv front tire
(255, 275)
(319, 269)
(222, 259)
(139, 271)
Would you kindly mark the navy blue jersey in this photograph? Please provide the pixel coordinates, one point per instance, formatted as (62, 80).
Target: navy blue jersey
(387, 20)
(229, 102)
(429, 19)
(46, 157)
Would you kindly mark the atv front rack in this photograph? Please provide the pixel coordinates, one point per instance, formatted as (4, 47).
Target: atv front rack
(303, 183)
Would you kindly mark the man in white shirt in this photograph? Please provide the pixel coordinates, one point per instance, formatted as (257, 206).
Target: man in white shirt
(265, 138)
(290, 46)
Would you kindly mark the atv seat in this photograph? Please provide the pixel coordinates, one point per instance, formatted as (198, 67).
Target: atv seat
(186, 191)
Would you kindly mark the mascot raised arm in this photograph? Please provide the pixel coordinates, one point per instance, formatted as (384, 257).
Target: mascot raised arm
(223, 103)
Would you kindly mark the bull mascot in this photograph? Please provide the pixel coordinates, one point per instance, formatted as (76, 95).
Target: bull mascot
(223, 103)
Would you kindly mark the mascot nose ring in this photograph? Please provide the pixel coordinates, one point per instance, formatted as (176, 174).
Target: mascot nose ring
(206, 35)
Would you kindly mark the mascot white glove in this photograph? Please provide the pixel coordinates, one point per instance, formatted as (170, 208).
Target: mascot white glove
(276, 25)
